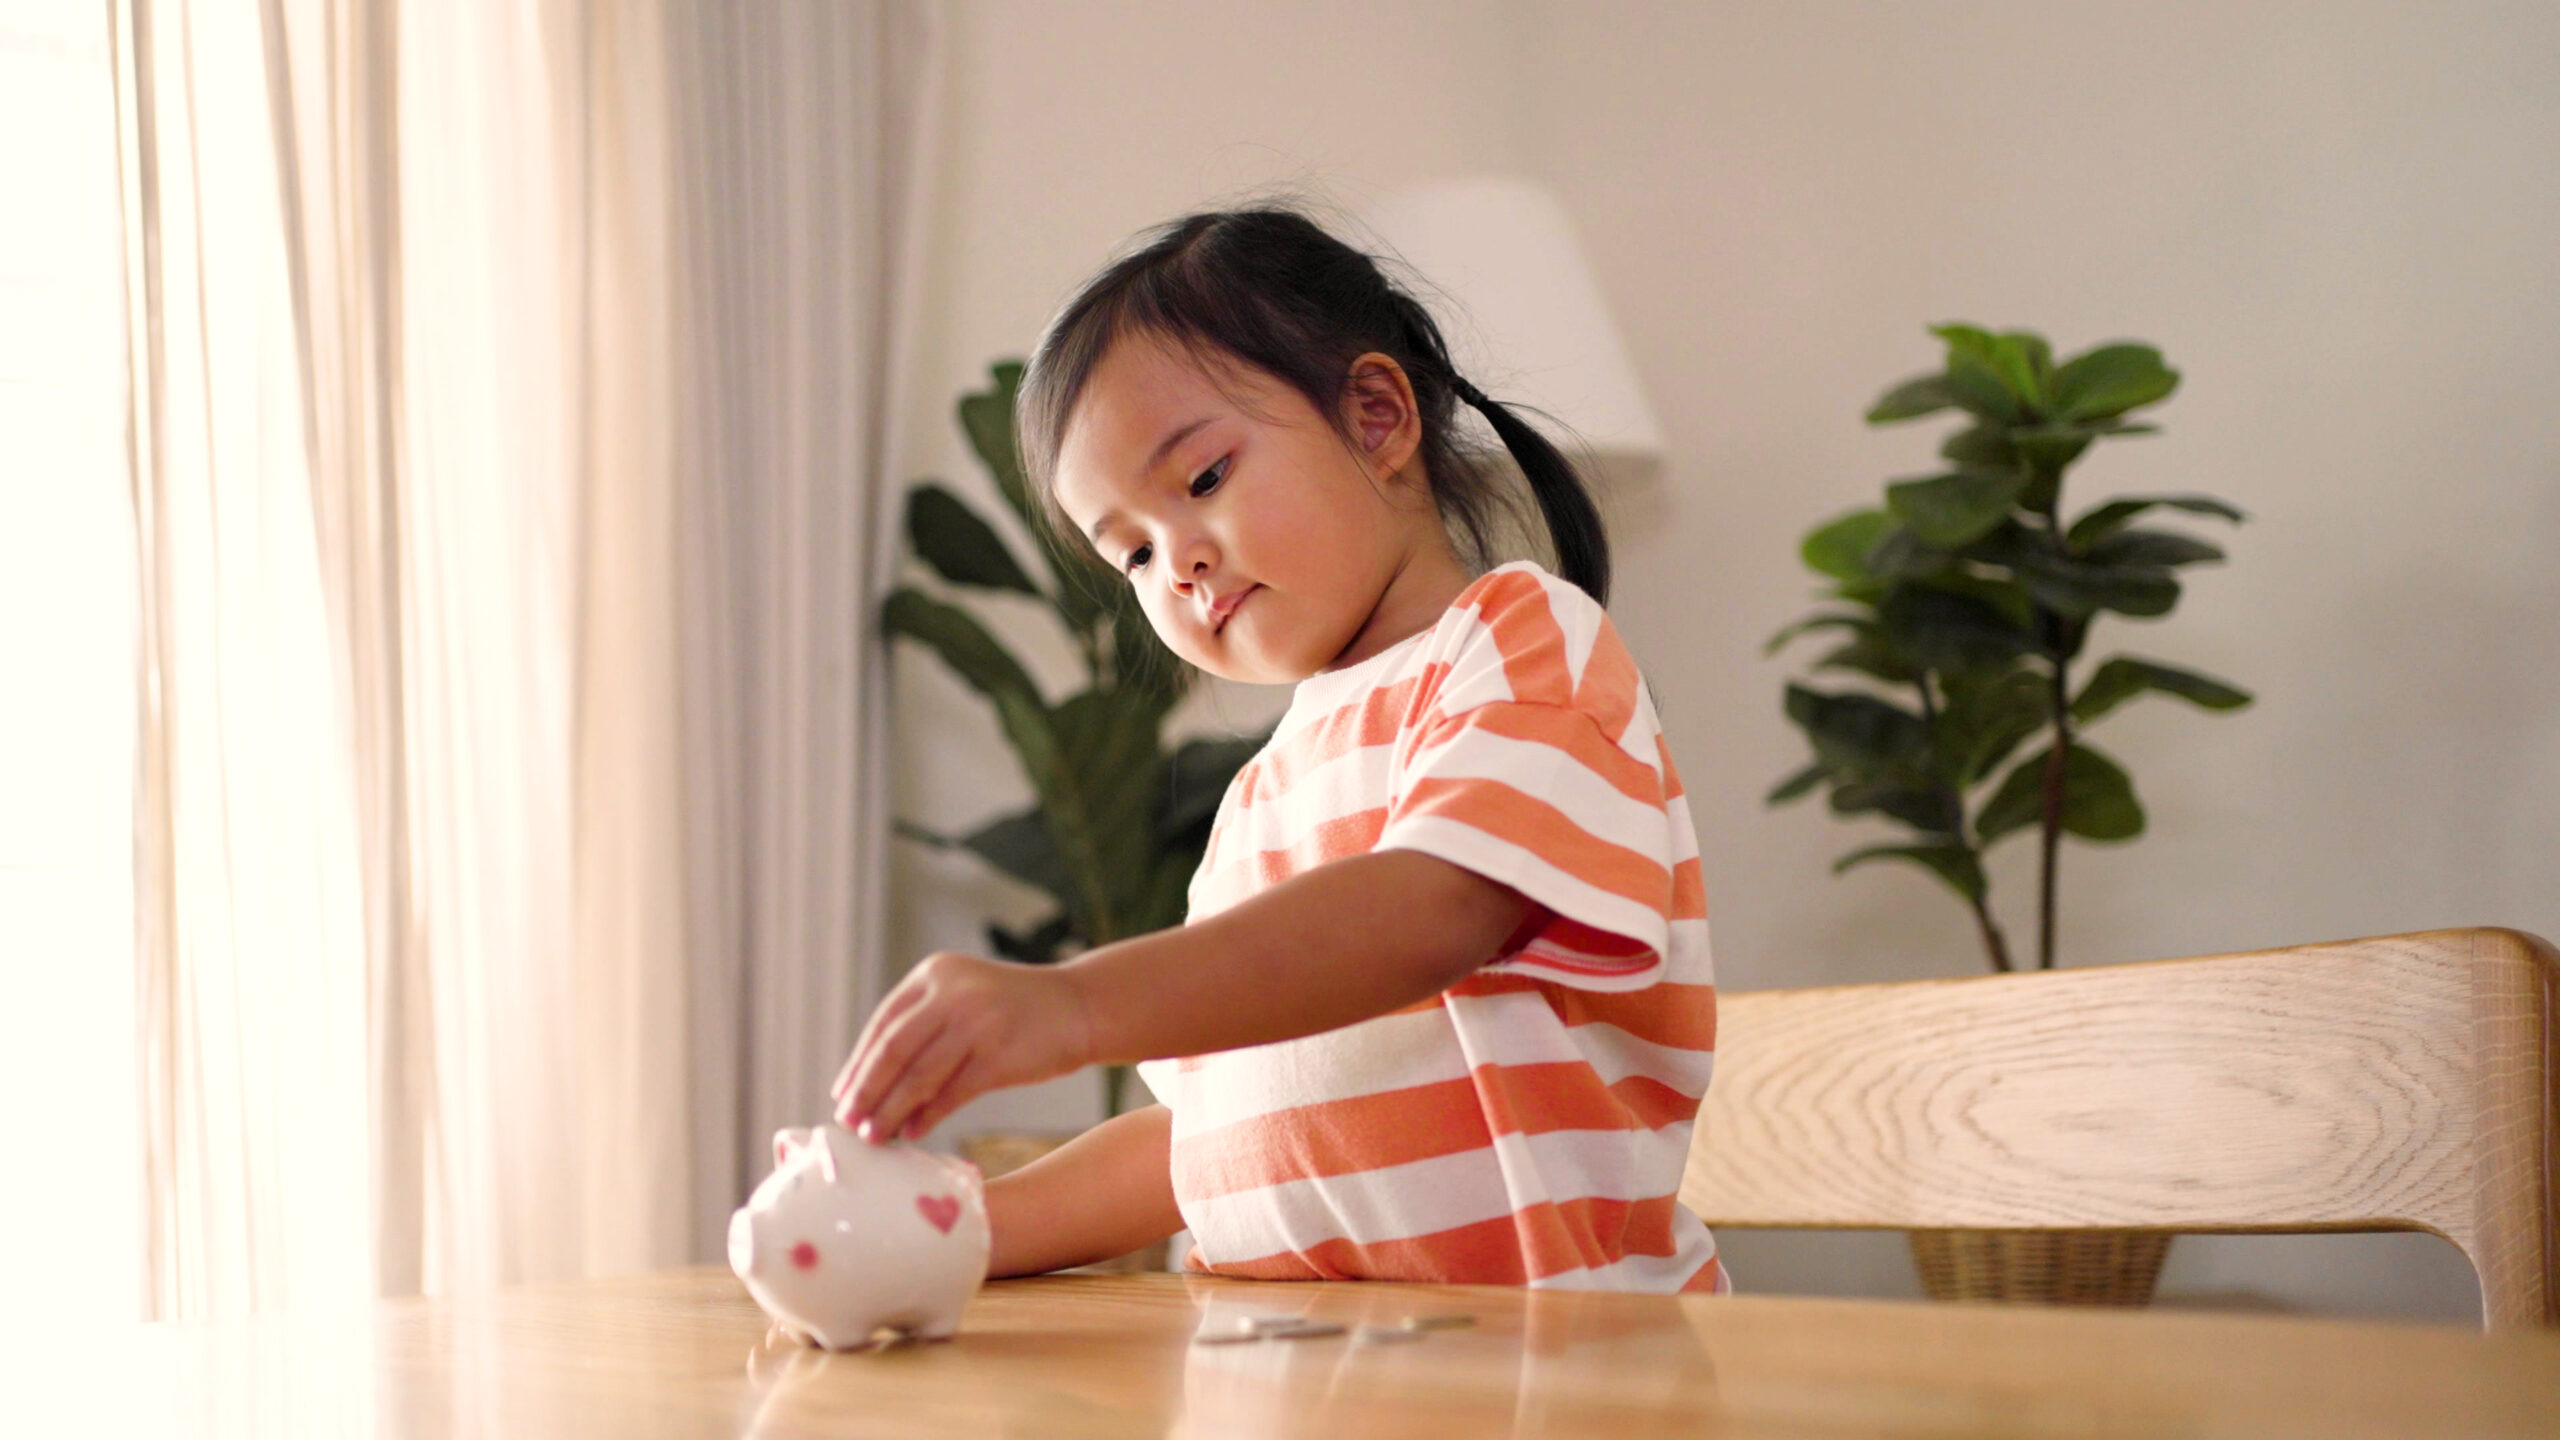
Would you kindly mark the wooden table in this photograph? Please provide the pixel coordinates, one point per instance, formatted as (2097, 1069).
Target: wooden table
(685, 1353)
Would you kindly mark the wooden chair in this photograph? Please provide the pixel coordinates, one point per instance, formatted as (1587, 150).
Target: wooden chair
(2398, 1083)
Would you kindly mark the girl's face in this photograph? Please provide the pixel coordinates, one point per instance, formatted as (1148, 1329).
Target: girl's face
(1262, 548)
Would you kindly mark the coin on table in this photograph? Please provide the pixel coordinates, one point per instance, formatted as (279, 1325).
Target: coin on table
(1437, 1322)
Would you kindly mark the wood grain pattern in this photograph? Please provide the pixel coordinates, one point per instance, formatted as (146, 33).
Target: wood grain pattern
(2398, 1083)
(686, 1353)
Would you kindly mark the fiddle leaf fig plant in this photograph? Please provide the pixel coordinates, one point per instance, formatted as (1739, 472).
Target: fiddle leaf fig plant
(1962, 604)
(1118, 822)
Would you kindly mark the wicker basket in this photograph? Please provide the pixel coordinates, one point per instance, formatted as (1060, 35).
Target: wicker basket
(2048, 1267)
(998, 1152)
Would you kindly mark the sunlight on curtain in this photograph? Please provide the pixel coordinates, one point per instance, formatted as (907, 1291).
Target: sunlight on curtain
(252, 983)
(513, 412)
(68, 1172)
(392, 1058)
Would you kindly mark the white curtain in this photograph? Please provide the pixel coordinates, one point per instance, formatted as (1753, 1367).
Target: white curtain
(804, 145)
(511, 427)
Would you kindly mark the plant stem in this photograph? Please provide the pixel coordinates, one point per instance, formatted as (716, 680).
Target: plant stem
(1992, 940)
(2054, 767)
(1991, 937)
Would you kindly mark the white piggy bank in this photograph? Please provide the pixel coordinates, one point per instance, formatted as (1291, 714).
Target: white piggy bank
(846, 1238)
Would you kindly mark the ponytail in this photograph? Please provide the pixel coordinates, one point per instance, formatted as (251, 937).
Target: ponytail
(1573, 522)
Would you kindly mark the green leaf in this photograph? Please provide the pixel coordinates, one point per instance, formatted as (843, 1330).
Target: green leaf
(1902, 555)
(1941, 630)
(2039, 358)
(1827, 621)
(2097, 798)
(2126, 676)
(1019, 845)
(1982, 447)
(1868, 653)
(1979, 388)
(1795, 786)
(1986, 719)
(1035, 947)
(2022, 359)
(1103, 802)
(2162, 548)
(1931, 809)
(1954, 862)
(1168, 895)
(2078, 589)
(960, 547)
(2110, 380)
(963, 643)
(986, 418)
(1953, 509)
(2007, 598)
(1991, 375)
(1084, 584)
(1139, 657)
(2107, 519)
(1862, 735)
(1196, 777)
(1838, 548)
(1924, 395)
(2050, 448)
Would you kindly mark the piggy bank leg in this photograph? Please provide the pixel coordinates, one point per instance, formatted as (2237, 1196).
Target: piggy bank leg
(937, 1325)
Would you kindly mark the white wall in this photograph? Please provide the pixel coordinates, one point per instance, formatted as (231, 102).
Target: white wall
(2335, 219)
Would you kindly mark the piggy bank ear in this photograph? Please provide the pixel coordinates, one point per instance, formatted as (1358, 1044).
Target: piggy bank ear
(835, 1151)
(787, 1143)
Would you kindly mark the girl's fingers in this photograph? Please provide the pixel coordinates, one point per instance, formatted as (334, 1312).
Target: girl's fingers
(917, 1084)
(884, 1061)
(966, 1084)
(896, 1003)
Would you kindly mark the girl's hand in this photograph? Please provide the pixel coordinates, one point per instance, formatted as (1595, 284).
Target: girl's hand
(956, 1027)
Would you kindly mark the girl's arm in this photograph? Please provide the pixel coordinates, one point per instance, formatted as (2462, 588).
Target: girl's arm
(1107, 1192)
(1341, 943)
(1345, 941)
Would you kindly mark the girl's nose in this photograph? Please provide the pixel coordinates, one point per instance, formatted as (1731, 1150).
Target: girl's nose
(1193, 562)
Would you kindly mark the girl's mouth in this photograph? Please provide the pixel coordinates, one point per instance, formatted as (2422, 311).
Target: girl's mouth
(1218, 617)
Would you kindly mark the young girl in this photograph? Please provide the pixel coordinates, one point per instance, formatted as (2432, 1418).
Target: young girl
(1442, 1010)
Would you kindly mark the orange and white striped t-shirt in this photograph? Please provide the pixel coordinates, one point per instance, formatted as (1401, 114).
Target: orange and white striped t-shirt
(1527, 1126)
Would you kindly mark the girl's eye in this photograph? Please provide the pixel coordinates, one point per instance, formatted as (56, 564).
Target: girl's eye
(1202, 484)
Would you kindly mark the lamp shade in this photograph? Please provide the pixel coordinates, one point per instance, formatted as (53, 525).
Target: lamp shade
(1528, 324)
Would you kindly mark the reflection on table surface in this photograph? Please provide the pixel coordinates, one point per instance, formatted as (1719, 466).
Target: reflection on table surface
(686, 1353)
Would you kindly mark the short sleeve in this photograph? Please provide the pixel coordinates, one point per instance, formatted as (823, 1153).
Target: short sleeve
(1522, 772)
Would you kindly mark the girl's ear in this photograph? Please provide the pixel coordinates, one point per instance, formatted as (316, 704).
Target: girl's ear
(1380, 407)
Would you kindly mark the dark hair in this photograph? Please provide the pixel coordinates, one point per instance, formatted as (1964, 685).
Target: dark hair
(1271, 288)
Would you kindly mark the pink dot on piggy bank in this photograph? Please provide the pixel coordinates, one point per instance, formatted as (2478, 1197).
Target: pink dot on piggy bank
(804, 1256)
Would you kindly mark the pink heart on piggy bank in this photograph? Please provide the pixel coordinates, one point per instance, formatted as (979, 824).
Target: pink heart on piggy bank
(940, 1211)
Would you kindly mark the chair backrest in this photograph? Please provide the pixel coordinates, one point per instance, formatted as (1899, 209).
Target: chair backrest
(2398, 1083)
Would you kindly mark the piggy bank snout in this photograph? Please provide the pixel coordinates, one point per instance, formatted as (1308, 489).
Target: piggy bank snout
(742, 1243)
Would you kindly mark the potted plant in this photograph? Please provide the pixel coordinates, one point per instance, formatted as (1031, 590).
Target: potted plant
(1962, 606)
(1118, 821)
